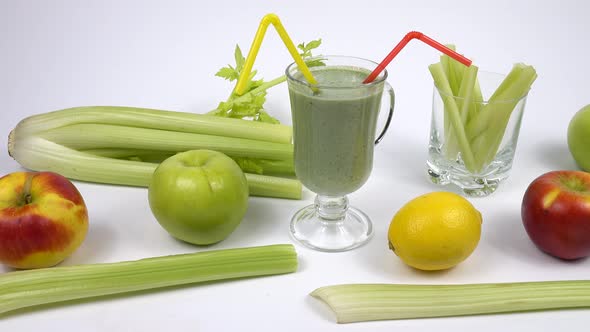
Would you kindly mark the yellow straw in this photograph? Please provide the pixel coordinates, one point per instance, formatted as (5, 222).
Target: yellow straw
(266, 20)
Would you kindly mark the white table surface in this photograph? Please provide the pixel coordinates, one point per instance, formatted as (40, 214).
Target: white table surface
(164, 54)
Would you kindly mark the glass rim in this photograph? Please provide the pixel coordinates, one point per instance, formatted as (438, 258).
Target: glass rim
(518, 99)
(380, 79)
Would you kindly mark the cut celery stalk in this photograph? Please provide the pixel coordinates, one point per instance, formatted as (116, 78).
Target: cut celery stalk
(480, 123)
(453, 112)
(92, 136)
(23, 289)
(453, 74)
(498, 112)
(454, 71)
(466, 92)
(464, 101)
(366, 302)
(477, 104)
(450, 142)
(39, 154)
(157, 119)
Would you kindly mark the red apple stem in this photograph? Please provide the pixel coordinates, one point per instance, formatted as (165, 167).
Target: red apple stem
(27, 199)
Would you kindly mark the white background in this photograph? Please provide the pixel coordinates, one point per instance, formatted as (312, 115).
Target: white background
(164, 54)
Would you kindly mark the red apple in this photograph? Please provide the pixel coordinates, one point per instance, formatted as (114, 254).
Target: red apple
(43, 219)
(556, 213)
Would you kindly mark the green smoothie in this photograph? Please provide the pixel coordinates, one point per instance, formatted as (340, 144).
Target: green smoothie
(334, 129)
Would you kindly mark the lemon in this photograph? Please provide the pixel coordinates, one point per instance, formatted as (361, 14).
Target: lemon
(435, 231)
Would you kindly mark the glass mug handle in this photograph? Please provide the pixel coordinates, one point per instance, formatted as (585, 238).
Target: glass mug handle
(391, 103)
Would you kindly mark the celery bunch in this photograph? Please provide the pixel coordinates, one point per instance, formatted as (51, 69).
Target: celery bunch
(472, 127)
(123, 145)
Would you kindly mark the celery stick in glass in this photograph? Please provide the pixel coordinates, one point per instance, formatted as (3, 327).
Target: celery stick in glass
(464, 101)
(451, 148)
(477, 104)
(480, 123)
(466, 92)
(499, 110)
(453, 74)
(452, 111)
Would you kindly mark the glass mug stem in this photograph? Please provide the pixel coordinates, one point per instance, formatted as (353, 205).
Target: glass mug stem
(331, 208)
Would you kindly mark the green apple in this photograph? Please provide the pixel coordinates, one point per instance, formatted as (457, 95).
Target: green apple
(578, 138)
(199, 196)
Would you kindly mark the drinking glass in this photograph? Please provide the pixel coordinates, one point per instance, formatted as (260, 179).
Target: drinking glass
(334, 126)
(491, 133)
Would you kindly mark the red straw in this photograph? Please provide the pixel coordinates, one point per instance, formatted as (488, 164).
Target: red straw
(409, 36)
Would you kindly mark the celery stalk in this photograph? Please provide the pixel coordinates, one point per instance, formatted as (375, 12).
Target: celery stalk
(39, 154)
(157, 119)
(464, 101)
(477, 104)
(22, 289)
(458, 70)
(498, 111)
(272, 186)
(131, 154)
(466, 92)
(120, 153)
(453, 112)
(450, 141)
(444, 61)
(266, 166)
(249, 165)
(366, 302)
(481, 122)
(92, 136)
(453, 74)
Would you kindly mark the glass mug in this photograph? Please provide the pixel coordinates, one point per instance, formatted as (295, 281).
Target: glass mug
(334, 125)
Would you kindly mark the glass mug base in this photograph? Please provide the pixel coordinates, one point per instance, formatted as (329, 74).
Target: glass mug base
(331, 226)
